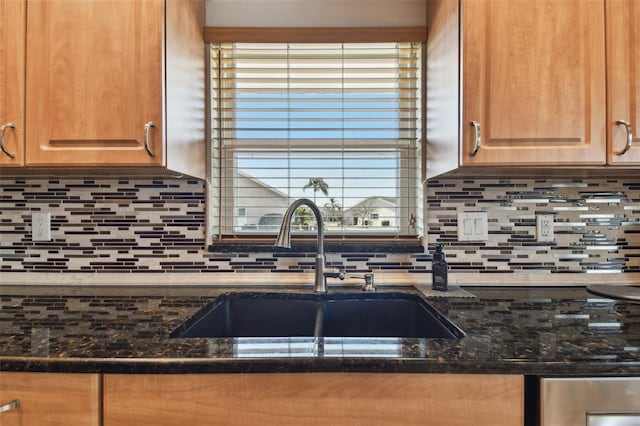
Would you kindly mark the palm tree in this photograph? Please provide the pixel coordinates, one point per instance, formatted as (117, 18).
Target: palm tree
(334, 210)
(318, 184)
(302, 217)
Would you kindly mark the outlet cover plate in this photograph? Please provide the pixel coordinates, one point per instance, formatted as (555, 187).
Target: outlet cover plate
(41, 227)
(544, 227)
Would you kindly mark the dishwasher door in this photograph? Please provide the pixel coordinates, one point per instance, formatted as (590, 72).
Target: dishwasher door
(594, 401)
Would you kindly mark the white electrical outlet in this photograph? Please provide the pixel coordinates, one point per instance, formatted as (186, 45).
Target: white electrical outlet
(544, 227)
(41, 227)
(473, 226)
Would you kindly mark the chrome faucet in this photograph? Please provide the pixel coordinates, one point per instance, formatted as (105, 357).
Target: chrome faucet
(284, 241)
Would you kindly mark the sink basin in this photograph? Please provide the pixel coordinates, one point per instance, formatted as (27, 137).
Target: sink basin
(400, 315)
(253, 315)
(380, 314)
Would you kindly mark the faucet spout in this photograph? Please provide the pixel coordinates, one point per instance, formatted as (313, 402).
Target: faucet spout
(284, 236)
(284, 239)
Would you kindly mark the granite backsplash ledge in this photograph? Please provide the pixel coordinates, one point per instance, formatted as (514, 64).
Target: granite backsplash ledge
(124, 225)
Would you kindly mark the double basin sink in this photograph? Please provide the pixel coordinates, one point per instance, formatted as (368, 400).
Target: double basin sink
(259, 314)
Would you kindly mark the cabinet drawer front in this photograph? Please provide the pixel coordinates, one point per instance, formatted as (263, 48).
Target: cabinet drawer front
(50, 399)
(313, 399)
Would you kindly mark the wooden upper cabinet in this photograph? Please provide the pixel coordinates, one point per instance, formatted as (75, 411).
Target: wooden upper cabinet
(623, 80)
(94, 79)
(12, 63)
(50, 399)
(533, 78)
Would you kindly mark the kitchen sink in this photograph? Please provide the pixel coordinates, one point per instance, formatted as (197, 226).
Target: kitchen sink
(401, 315)
(380, 314)
(253, 315)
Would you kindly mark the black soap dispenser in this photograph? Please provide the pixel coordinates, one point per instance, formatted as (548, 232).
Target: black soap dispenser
(440, 270)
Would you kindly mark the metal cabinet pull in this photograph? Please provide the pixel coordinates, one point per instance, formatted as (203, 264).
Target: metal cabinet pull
(2, 130)
(10, 406)
(627, 126)
(146, 137)
(605, 418)
(476, 128)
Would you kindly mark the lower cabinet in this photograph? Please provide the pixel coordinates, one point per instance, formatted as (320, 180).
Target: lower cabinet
(49, 399)
(310, 399)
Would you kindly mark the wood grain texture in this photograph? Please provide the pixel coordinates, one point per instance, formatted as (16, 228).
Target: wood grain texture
(534, 78)
(313, 399)
(94, 77)
(623, 78)
(314, 35)
(185, 88)
(51, 399)
(12, 68)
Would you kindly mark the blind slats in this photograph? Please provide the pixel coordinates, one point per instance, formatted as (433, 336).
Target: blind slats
(337, 123)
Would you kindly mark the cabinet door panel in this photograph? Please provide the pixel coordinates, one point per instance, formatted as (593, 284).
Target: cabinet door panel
(94, 78)
(50, 399)
(623, 79)
(12, 62)
(313, 399)
(534, 78)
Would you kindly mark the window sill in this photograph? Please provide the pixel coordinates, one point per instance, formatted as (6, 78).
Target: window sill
(262, 244)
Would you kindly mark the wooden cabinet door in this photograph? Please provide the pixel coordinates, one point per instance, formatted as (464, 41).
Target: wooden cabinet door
(50, 399)
(623, 80)
(94, 79)
(534, 80)
(313, 399)
(12, 62)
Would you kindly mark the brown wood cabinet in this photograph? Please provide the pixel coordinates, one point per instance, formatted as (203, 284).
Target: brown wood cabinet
(533, 78)
(623, 80)
(12, 63)
(313, 399)
(94, 81)
(50, 399)
(112, 83)
(533, 82)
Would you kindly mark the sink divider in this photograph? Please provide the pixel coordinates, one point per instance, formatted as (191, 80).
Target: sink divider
(318, 330)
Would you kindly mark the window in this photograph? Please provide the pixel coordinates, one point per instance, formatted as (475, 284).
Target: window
(339, 124)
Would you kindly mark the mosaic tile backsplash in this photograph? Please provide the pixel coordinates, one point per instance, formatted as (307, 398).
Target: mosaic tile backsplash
(158, 225)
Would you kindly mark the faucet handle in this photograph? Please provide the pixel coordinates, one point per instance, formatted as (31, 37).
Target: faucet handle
(368, 281)
(334, 274)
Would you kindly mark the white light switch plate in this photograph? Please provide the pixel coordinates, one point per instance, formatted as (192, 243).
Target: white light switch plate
(41, 227)
(473, 226)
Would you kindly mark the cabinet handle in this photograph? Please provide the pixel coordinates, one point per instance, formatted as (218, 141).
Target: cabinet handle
(604, 418)
(146, 137)
(629, 136)
(2, 130)
(478, 137)
(15, 404)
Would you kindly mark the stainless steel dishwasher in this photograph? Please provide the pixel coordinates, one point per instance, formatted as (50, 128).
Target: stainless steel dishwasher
(594, 401)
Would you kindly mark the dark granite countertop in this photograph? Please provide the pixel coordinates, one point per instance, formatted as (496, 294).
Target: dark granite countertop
(546, 331)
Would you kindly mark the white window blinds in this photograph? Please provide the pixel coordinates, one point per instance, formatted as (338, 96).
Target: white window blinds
(339, 124)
